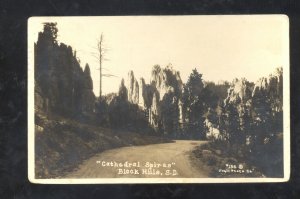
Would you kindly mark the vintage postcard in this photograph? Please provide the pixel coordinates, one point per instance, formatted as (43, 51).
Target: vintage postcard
(158, 99)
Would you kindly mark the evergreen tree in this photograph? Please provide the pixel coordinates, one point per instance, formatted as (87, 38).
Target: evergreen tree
(51, 30)
(123, 92)
(169, 114)
(193, 105)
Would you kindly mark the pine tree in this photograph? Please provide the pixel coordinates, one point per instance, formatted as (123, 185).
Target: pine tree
(51, 30)
(193, 104)
(123, 93)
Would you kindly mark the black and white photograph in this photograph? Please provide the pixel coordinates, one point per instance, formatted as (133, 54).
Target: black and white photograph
(158, 99)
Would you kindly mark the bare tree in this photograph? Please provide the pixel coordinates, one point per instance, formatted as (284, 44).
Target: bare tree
(100, 56)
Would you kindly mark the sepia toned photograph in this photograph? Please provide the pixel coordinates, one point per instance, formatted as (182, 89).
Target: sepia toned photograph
(158, 99)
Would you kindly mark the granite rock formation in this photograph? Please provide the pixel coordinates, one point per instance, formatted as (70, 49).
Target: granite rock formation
(61, 85)
(150, 97)
(239, 92)
(133, 88)
(271, 89)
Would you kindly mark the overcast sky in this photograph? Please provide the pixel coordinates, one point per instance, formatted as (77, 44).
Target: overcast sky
(220, 47)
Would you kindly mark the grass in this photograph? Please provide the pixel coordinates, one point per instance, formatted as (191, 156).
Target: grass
(264, 160)
(62, 144)
(221, 162)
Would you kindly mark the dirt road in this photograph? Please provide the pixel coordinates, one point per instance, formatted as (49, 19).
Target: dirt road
(156, 160)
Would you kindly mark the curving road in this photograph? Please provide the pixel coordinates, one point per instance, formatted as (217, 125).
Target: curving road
(156, 160)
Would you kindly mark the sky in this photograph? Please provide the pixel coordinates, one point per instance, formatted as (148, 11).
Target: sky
(219, 47)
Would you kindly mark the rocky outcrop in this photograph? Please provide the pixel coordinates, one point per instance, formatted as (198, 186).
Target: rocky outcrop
(257, 105)
(133, 88)
(61, 84)
(260, 86)
(142, 93)
(236, 112)
(212, 130)
(154, 111)
(267, 91)
(239, 92)
(276, 90)
(167, 86)
(166, 80)
(147, 93)
(270, 90)
(150, 97)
